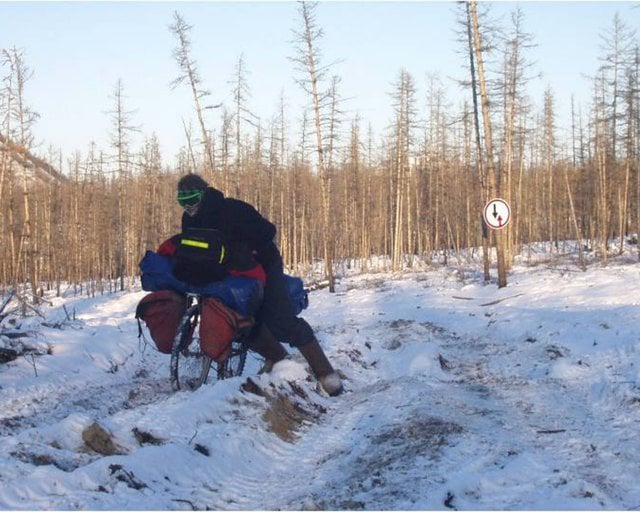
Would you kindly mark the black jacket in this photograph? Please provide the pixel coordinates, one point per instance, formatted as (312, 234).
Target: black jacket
(246, 232)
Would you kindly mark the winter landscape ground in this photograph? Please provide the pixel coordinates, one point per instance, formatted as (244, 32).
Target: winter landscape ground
(459, 395)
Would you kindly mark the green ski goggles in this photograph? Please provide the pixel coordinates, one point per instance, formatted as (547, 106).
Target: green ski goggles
(189, 198)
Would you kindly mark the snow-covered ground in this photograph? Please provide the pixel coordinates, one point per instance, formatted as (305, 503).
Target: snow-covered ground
(459, 395)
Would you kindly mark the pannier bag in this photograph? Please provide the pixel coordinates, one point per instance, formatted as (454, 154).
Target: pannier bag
(297, 293)
(201, 256)
(242, 294)
(162, 311)
(157, 273)
(219, 326)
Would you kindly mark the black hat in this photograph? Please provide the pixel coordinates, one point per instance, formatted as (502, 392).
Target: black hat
(192, 182)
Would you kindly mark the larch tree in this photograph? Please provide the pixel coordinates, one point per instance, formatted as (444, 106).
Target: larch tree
(617, 46)
(515, 107)
(120, 142)
(308, 62)
(404, 122)
(633, 133)
(150, 200)
(242, 114)
(6, 170)
(548, 145)
(493, 181)
(190, 75)
(23, 120)
(602, 164)
(468, 40)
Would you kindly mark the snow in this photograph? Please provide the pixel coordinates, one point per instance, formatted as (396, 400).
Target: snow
(459, 395)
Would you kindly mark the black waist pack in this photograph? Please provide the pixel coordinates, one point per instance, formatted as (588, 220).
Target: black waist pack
(201, 256)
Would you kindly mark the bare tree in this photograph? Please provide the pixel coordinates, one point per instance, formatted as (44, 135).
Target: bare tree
(190, 75)
(479, 50)
(515, 107)
(6, 168)
(308, 60)
(548, 159)
(23, 120)
(469, 40)
(405, 111)
(242, 113)
(151, 222)
(633, 130)
(617, 45)
(120, 141)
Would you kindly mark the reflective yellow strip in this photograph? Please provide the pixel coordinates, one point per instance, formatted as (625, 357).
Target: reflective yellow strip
(221, 255)
(195, 243)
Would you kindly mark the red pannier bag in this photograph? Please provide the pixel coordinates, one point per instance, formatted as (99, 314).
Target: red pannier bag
(219, 326)
(162, 311)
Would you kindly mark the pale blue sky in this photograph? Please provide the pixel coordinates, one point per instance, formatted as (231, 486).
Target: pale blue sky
(78, 50)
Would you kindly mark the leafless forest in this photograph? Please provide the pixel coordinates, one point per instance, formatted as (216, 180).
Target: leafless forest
(336, 192)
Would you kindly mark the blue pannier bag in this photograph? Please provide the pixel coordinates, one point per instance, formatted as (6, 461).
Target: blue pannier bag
(243, 294)
(157, 274)
(297, 293)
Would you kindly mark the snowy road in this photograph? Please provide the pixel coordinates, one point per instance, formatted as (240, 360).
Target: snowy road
(459, 396)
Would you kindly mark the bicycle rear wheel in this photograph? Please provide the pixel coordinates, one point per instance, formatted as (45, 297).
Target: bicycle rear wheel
(189, 367)
(233, 366)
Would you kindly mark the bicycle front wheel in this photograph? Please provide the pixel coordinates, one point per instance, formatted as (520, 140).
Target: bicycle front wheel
(189, 365)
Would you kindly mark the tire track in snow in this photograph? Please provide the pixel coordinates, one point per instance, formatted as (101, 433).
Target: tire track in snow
(44, 406)
(549, 421)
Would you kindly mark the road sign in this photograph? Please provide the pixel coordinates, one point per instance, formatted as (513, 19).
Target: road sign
(497, 213)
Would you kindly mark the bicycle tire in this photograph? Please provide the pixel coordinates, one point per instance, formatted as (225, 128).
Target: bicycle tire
(233, 366)
(189, 366)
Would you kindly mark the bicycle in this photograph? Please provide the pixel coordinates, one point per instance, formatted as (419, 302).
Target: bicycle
(189, 366)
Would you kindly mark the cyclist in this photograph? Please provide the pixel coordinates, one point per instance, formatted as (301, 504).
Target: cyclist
(249, 240)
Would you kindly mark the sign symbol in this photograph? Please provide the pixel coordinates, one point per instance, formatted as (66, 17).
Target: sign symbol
(497, 213)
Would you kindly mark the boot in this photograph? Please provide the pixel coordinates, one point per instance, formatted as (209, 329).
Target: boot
(265, 344)
(321, 367)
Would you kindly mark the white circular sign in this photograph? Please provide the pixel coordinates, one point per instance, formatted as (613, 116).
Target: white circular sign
(497, 213)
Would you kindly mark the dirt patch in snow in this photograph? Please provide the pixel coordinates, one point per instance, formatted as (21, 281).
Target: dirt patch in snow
(289, 408)
(99, 440)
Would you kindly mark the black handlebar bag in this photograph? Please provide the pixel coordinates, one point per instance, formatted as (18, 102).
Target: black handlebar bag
(201, 256)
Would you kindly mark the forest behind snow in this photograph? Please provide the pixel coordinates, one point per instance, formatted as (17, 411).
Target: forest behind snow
(338, 192)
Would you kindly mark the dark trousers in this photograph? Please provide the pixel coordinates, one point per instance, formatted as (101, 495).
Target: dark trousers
(277, 311)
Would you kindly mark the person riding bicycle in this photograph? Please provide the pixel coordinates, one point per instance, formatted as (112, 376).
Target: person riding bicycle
(249, 239)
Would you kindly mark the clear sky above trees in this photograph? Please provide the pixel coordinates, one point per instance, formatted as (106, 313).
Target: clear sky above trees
(78, 51)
